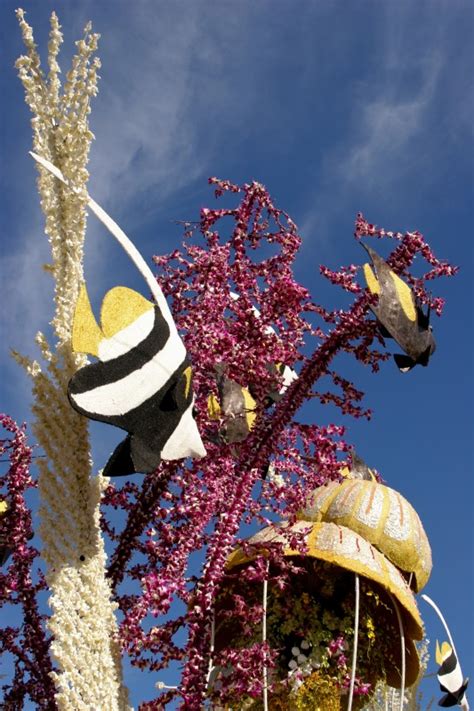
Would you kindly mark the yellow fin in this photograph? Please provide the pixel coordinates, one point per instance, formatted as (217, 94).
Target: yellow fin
(187, 374)
(371, 280)
(346, 472)
(86, 334)
(3, 507)
(121, 307)
(442, 652)
(250, 405)
(213, 407)
(405, 297)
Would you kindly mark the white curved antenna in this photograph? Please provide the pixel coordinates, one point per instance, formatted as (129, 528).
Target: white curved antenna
(124, 241)
(356, 642)
(443, 621)
(402, 642)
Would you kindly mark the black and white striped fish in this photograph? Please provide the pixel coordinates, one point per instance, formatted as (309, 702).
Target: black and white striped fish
(450, 677)
(141, 383)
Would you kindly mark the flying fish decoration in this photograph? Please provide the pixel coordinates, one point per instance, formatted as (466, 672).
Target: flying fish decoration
(142, 380)
(358, 469)
(237, 404)
(399, 314)
(450, 677)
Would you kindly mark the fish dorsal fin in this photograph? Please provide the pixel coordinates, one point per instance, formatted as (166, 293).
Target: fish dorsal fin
(121, 307)
(250, 405)
(371, 474)
(3, 506)
(213, 407)
(442, 652)
(371, 280)
(187, 376)
(405, 297)
(86, 333)
(423, 319)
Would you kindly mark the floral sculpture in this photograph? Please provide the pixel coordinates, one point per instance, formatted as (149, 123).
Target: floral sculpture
(316, 617)
(165, 562)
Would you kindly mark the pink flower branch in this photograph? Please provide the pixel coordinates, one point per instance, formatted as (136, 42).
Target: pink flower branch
(28, 643)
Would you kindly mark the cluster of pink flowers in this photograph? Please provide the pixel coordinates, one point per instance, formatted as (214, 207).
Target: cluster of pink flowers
(183, 522)
(27, 642)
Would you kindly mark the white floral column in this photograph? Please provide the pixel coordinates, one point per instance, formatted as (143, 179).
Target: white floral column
(82, 623)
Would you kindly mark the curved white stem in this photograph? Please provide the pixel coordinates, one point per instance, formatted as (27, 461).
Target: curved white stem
(264, 639)
(211, 649)
(356, 642)
(402, 642)
(124, 241)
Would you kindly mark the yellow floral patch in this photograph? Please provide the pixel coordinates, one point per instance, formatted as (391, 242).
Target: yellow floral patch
(405, 297)
(371, 280)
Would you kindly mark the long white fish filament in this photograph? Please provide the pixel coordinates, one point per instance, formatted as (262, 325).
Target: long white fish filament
(402, 643)
(356, 642)
(264, 639)
(124, 241)
(465, 704)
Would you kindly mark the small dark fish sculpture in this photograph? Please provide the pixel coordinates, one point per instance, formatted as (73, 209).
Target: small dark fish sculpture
(358, 470)
(237, 406)
(399, 315)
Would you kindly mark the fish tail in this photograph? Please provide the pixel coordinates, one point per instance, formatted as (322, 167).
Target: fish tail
(120, 462)
(404, 363)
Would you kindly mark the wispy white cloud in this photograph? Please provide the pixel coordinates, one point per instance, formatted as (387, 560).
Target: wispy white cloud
(387, 126)
(391, 140)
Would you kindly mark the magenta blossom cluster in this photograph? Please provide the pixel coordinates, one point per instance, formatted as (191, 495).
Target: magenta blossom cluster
(25, 644)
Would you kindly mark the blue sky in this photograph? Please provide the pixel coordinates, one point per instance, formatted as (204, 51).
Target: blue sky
(336, 107)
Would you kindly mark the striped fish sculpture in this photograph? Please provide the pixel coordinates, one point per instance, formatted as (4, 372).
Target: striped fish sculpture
(399, 315)
(450, 677)
(142, 381)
